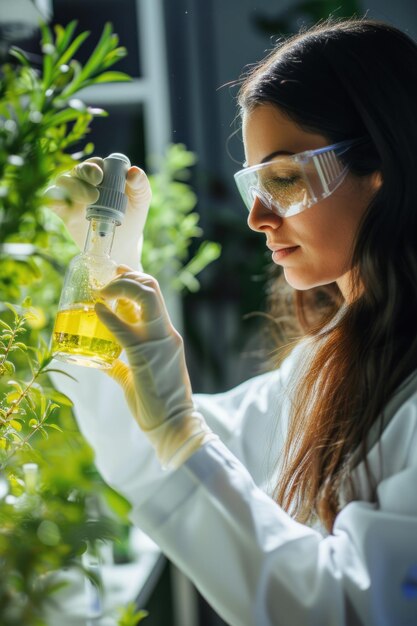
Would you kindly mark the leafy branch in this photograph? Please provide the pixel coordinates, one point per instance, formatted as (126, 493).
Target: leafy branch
(131, 616)
(25, 409)
(8, 342)
(44, 526)
(166, 247)
(40, 121)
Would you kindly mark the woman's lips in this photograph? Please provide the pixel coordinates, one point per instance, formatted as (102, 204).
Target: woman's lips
(282, 253)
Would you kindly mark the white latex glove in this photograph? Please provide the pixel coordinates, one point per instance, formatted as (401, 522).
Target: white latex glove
(80, 185)
(157, 385)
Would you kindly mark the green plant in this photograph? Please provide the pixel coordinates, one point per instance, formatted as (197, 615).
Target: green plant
(172, 224)
(46, 527)
(24, 408)
(43, 527)
(40, 120)
(45, 524)
(130, 615)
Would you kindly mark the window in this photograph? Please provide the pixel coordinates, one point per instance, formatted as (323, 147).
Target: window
(139, 123)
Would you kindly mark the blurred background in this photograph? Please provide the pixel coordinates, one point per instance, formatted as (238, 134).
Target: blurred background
(184, 57)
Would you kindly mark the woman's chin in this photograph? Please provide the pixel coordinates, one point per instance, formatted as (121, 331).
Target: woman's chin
(302, 282)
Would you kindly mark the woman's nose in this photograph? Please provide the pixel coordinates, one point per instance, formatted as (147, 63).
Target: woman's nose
(261, 218)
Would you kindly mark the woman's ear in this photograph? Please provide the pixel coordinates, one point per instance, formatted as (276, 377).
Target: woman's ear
(376, 180)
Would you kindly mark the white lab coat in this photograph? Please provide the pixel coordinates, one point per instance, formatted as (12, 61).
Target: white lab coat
(214, 519)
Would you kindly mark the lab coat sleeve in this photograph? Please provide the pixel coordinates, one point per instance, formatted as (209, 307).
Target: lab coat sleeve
(258, 567)
(123, 454)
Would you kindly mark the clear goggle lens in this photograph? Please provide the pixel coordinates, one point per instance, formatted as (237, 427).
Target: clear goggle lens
(288, 185)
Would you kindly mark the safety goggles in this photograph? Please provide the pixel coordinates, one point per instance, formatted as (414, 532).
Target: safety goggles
(288, 185)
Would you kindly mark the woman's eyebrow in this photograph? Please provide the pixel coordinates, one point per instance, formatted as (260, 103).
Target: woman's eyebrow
(276, 153)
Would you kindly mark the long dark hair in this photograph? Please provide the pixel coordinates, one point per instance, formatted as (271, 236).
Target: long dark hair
(348, 79)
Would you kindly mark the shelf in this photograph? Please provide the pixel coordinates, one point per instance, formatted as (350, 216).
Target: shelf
(133, 92)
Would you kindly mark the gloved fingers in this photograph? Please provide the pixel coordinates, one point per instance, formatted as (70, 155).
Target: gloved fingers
(128, 311)
(122, 269)
(138, 188)
(142, 289)
(119, 371)
(130, 329)
(122, 374)
(59, 206)
(90, 171)
(140, 277)
(78, 190)
(128, 243)
(120, 329)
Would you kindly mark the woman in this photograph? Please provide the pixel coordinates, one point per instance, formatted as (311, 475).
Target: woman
(328, 534)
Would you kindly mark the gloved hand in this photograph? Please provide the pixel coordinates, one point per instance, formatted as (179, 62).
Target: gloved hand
(157, 385)
(80, 184)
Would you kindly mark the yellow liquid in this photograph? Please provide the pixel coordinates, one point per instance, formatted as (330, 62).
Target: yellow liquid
(79, 336)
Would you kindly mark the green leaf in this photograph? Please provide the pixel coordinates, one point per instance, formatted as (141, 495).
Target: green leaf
(46, 34)
(57, 396)
(63, 117)
(12, 397)
(31, 399)
(117, 503)
(110, 77)
(20, 346)
(19, 54)
(16, 385)
(55, 427)
(48, 66)
(12, 309)
(72, 49)
(94, 61)
(43, 433)
(52, 369)
(45, 359)
(130, 615)
(9, 368)
(49, 53)
(63, 36)
(113, 57)
(186, 279)
(59, 37)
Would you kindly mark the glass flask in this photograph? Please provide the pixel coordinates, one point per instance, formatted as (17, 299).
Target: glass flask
(78, 335)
